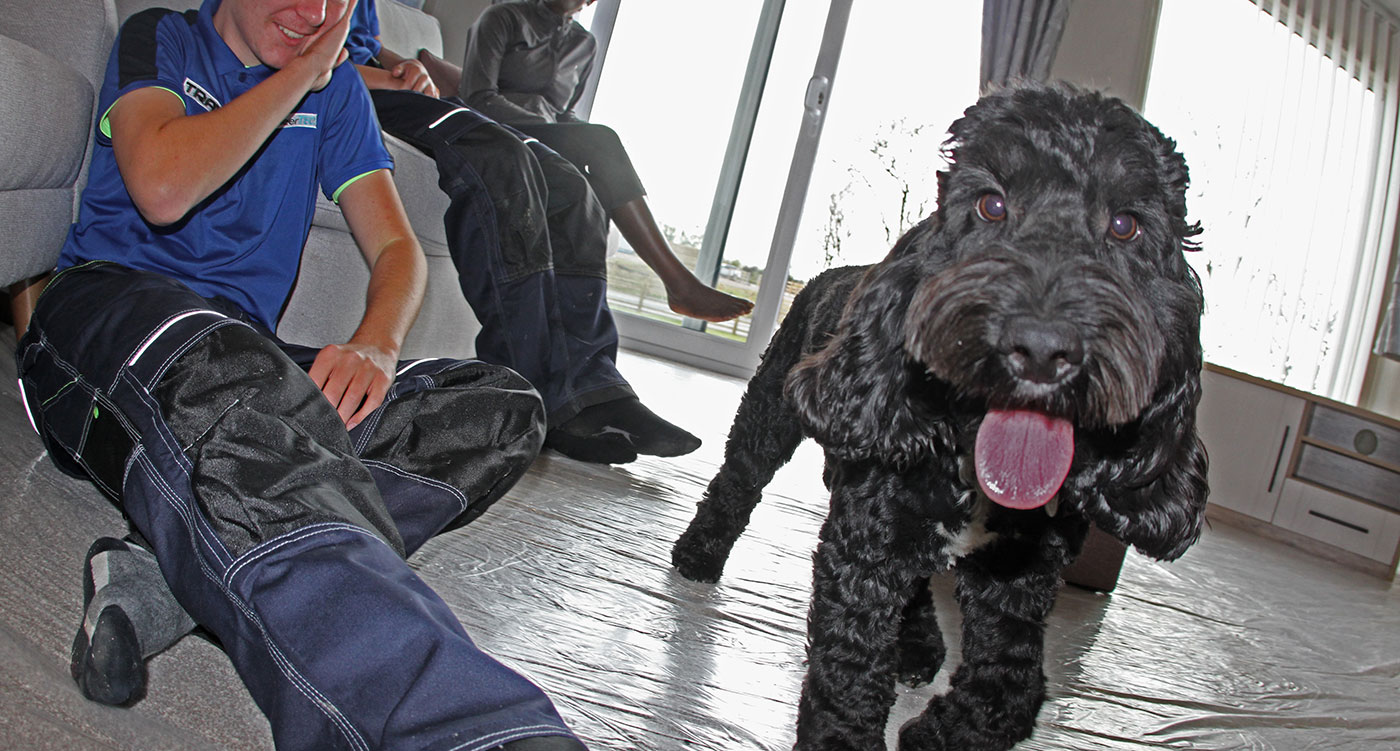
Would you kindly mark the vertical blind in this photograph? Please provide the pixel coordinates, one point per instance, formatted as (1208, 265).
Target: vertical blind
(1286, 112)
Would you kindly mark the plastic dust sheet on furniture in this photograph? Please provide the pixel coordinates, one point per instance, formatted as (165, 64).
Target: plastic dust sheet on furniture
(1242, 644)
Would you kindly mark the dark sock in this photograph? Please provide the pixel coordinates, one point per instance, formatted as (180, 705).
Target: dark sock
(627, 422)
(576, 442)
(648, 433)
(129, 614)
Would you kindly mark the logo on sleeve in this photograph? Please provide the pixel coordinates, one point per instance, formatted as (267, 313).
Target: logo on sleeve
(301, 120)
(200, 96)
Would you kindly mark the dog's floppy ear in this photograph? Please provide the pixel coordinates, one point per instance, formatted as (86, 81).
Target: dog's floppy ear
(854, 395)
(1149, 489)
(1152, 492)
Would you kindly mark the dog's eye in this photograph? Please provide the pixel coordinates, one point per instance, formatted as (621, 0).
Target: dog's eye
(991, 207)
(1124, 227)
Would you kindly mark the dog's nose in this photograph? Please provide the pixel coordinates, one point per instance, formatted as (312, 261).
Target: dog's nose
(1039, 350)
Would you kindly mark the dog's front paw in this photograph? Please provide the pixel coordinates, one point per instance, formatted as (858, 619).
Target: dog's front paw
(957, 721)
(921, 734)
(697, 559)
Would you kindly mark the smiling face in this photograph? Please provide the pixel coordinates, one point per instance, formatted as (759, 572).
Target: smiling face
(274, 32)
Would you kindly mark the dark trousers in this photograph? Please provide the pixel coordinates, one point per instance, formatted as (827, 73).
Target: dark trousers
(529, 240)
(598, 153)
(277, 530)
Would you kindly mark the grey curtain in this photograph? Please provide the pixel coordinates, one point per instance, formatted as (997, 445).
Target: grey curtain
(1019, 39)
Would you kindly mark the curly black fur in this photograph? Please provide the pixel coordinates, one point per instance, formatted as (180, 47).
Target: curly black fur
(1043, 299)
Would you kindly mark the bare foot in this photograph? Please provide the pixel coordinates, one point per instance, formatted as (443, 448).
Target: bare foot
(707, 303)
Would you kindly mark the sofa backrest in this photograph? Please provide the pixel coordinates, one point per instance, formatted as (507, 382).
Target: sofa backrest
(82, 30)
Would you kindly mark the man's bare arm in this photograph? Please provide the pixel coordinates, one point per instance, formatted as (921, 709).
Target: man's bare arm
(170, 162)
(398, 73)
(356, 375)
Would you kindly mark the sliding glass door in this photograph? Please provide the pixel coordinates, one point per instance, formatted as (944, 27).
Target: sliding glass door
(762, 170)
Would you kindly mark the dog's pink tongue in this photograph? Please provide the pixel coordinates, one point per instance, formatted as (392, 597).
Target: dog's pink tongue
(1022, 457)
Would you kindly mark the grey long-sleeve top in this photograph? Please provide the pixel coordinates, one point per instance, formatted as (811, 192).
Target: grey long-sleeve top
(526, 64)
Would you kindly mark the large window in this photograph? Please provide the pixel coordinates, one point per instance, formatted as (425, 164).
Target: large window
(834, 164)
(1285, 110)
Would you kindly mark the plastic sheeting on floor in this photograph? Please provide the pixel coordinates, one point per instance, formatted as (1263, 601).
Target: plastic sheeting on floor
(1241, 644)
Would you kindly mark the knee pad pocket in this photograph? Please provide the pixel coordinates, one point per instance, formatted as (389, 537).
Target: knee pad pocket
(476, 427)
(269, 454)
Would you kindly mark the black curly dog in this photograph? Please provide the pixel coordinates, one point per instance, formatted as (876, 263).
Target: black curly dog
(1022, 364)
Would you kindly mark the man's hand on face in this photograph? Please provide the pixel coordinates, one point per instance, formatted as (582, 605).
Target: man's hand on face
(328, 50)
(355, 378)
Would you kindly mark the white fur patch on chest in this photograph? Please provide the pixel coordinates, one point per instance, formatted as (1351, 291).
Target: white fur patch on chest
(972, 535)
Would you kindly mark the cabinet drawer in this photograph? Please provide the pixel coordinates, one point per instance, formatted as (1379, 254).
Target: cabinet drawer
(1349, 475)
(1337, 520)
(1353, 433)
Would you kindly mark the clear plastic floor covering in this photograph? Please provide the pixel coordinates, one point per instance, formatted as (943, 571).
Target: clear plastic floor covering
(1241, 644)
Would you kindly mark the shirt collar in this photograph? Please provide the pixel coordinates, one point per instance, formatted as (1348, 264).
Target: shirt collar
(225, 62)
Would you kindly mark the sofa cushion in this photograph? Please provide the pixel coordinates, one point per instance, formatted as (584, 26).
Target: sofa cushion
(35, 224)
(45, 114)
(406, 30)
(81, 31)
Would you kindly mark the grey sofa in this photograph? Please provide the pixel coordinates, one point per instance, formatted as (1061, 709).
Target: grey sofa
(45, 132)
(51, 59)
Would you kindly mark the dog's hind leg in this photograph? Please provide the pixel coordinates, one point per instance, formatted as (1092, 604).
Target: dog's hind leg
(764, 435)
(921, 648)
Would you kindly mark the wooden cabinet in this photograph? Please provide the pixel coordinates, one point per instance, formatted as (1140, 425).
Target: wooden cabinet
(1249, 432)
(1317, 474)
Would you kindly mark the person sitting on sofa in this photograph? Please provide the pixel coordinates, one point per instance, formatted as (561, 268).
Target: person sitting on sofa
(268, 478)
(527, 64)
(539, 288)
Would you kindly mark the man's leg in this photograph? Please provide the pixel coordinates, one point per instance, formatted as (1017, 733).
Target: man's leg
(270, 532)
(450, 439)
(498, 232)
(578, 231)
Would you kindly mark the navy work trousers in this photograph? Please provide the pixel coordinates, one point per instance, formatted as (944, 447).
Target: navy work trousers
(529, 240)
(278, 530)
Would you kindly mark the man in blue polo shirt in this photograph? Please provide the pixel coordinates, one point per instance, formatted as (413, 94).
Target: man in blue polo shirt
(275, 498)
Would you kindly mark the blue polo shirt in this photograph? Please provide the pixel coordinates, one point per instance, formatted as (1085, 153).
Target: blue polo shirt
(244, 242)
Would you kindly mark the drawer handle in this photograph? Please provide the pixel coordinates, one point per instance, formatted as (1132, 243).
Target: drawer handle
(1335, 520)
(1279, 459)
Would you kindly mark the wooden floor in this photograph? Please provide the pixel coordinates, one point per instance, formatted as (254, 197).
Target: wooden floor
(1242, 644)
